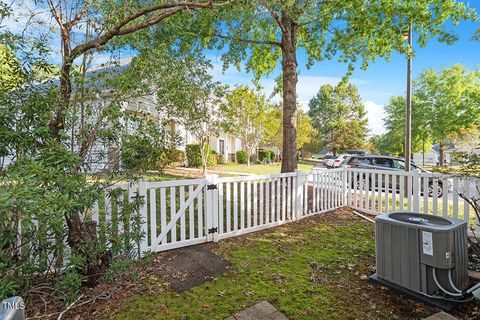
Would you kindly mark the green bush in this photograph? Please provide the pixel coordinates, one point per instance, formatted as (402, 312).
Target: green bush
(194, 156)
(272, 155)
(242, 157)
(173, 156)
(212, 158)
(221, 159)
(264, 155)
(253, 158)
(137, 153)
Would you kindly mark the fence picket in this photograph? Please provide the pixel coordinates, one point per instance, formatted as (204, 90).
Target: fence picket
(267, 201)
(249, 204)
(435, 196)
(387, 192)
(289, 198)
(445, 197)
(242, 205)
(228, 204)
(262, 186)
(380, 189)
(173, 211)
(201, 226)
(466, 206)
(182, 217)
(153, 216)
(235, 206)
(220, 207)
(191, 215)
(163, 212)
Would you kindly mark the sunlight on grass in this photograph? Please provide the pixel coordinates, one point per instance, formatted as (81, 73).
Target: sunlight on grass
(307, 270)
(258, 168)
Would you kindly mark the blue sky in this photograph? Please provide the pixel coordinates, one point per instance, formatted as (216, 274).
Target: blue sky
(381, 80)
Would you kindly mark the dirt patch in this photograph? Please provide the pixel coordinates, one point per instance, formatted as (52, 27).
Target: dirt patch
(189, 267)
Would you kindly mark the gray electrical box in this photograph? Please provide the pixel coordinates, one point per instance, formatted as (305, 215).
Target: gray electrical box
(411, 247)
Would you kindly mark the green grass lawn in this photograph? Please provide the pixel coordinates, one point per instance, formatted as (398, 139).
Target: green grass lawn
(147, 176)
(258, 168)
(312, 269)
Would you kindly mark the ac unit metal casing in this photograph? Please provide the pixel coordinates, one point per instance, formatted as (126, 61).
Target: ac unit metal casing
(410, 246)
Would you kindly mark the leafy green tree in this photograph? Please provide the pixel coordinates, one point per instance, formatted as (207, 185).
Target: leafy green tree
(148, 147)
(394, 138)
(191, 99)
(10, 69)
(244, 112)
(451, 100)
(274, 129)
(111, 24)
(50, 129)
(264, 32)
(339, 116)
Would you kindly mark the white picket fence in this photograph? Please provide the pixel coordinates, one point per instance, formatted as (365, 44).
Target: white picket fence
(186, 212)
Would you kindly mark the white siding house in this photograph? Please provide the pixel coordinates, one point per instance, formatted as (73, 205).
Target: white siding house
(106, 158)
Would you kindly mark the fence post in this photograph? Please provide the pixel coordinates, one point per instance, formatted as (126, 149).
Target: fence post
(298, 195)
(344, 187)
(138, 191)
(416, 190)
(211, 207)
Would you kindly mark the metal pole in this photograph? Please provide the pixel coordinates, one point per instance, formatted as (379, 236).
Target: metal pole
(408, 127)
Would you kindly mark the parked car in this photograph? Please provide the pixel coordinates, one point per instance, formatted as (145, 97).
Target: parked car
(326, 158)
(388, 163)
(331, 161)
(337, 162)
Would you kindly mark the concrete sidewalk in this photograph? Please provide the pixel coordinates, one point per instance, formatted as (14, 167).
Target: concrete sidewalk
(260, 311)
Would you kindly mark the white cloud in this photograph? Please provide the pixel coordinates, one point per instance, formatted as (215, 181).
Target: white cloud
(375, 116)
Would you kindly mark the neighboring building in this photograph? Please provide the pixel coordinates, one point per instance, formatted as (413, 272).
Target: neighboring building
(432, 156)
(107, 158)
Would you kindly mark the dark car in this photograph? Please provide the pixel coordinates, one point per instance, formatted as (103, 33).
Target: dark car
(387, 163)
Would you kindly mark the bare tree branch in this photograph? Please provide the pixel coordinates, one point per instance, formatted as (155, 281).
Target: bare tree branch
(78, 16)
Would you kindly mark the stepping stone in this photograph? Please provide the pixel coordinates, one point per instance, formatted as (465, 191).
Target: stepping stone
(441, 316)
(188, 267)
(260, 311)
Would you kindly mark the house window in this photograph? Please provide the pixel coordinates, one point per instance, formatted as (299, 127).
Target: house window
(221, 147)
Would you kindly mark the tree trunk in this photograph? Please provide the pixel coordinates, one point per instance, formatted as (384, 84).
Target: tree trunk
(289, 69)
(204, 157)
(441, 154)
(423, 152)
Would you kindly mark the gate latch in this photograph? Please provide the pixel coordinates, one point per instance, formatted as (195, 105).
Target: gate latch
(212, 230)
(212, 187)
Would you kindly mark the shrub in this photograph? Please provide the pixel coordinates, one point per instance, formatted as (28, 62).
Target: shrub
(264, 155)
(253, 158)
(272, 155)
(173, 156)
(242, 157)
(212, 158)
(221, 159)
(137, 154)
(194, 156)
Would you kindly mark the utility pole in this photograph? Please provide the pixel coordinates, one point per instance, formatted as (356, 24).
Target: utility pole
(408, 127)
